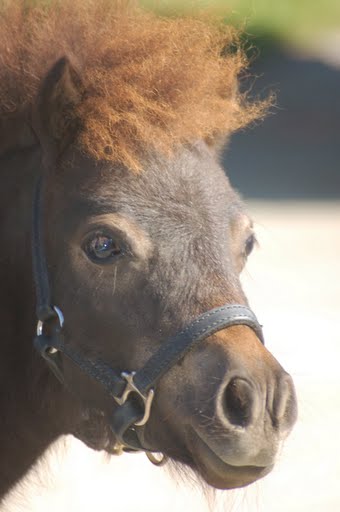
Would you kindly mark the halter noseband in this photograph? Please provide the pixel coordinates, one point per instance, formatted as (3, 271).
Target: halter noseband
(133, 392)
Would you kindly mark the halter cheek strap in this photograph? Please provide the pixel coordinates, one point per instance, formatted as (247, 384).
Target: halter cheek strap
(132, 392)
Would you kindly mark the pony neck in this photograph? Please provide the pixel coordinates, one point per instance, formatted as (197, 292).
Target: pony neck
(30, 398)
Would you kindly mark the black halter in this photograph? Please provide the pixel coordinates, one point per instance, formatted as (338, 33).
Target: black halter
(133, 392)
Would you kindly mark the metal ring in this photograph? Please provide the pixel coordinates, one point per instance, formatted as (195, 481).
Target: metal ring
(157, 458)
(40, 324)
(60, 315)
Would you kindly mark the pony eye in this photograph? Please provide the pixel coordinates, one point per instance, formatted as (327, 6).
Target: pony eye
(249, 245)
(102, 248)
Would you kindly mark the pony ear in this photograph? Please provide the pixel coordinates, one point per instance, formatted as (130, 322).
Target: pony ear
(54, 112)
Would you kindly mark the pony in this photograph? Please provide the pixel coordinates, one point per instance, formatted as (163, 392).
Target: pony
(111, 125)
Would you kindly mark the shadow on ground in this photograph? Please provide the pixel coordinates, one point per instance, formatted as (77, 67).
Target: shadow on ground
(295, 152)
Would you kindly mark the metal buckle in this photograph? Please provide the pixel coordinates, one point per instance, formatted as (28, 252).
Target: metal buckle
(132, 388)
(40, 327)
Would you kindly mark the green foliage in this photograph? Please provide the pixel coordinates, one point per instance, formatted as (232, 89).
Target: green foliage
(265, 21)
(289, 21)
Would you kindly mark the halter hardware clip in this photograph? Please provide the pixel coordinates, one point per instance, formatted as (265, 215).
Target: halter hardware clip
(132, 388)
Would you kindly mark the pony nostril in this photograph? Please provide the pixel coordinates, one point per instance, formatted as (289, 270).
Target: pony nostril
(238, 401)
(284, 406)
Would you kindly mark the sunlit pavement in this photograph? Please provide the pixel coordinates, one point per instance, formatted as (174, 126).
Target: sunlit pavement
(293, 284)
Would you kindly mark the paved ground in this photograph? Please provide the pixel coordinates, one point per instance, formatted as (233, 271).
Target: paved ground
(293, 285)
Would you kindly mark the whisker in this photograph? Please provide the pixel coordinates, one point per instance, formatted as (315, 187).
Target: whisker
(114, 280)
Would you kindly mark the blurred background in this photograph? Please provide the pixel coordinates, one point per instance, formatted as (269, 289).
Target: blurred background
(288, 170)
(294, 50)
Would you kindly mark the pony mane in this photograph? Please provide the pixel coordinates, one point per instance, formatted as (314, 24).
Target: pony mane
(151, 83)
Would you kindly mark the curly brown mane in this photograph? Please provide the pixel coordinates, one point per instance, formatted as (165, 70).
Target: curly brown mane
(150, 82)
